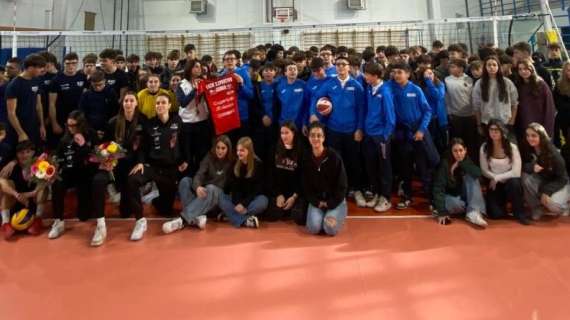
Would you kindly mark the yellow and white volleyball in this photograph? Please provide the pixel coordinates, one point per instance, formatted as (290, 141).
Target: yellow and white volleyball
(324, 106)
(22, 219)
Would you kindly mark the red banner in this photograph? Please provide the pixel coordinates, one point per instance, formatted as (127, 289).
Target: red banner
(221, 95)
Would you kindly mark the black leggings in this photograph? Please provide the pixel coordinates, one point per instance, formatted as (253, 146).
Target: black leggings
(99, 188)
(298, 212)
(166, 179)
(80, 179)
(196, 142)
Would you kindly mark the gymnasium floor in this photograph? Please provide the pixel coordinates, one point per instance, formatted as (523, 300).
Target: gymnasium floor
(402, 266)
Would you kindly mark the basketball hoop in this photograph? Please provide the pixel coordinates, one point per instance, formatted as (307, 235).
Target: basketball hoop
(282, 15)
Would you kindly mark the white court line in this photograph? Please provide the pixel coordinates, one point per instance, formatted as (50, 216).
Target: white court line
(349, 217)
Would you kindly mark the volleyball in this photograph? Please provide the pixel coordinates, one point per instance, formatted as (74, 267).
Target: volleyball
(324, 106)
(22, 219)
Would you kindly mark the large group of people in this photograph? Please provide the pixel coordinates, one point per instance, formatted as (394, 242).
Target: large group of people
(479, 131)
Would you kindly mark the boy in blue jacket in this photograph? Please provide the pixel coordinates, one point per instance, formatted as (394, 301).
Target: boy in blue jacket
(315, 82)
(345, 122)
(412, 137)
(379, 126)
(293, 96)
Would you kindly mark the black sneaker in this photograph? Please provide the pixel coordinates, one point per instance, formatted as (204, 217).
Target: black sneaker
(404, 204)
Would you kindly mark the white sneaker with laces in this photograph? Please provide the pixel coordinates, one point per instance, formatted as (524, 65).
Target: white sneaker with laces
(114, 196)
(139, 230)
(359, 198)
(57, 229)
(476, 218)
(373, 202)
(172, 225)
(99, 236)
(252, 222)
(383, 205)
(201, 221)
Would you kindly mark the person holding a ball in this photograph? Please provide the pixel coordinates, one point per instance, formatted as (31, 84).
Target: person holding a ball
(344, 111)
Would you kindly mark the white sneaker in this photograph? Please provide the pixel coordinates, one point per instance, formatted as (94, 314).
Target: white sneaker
(252, 222)
(57, 229)
(114, 196)
(383, 205)
(99, 236)
(359, 198)
(476, 218)
(139, 230)
(172, 225)
(373, 202)
(201, 221)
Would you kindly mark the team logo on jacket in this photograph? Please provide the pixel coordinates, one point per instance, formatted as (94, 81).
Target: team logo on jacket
(174, 126)
(80, 83)
(35, 89)
(411, 95)
(350, 88)
(298, 90)
(111, 82)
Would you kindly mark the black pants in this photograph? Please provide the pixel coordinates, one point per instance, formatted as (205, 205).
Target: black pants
(349, 151)
(298, 212)
(510, 190)
(409, 153)
(196, 142)
(80, 179)
(379, 165)
(99, 188)
(466, 129)
(166, 179)
(264, 140)
(243, 131)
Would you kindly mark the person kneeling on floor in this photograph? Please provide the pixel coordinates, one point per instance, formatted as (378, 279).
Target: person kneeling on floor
(18, 193)
(324, 185)
(456, 188)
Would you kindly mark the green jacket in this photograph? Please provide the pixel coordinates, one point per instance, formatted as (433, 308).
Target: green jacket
(445, 184)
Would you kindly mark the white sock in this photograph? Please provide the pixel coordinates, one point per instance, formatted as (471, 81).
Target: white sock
(40, 210)
(101, 222)
(5, 216)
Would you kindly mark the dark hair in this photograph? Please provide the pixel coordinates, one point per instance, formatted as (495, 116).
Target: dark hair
(501, 82)
(453, 142)
(522, 46)
(34, 61)
(380, 49)
(280, 147)
(188, 68)
(173, 55)
(71, 56)
(316, 63)
(225, 140)
(82, 125)
(342, 58)
(554, 46)
(437, 44)
(355, 60)
(121, 123)
(120, 58)
(458, 63)
(108, 54)
(400, 65)
(133, 58)
(50, 57)
(374, 69)
(485, 52)
(391, 51)
(189, 47)
(299, 57)
(25, 145)
(316, 125)
(547, 149)
(533, 81)
(90, 58)
(368, 55)
(456, 47)
(505, 143)
(153, 55)
(14, 60)
(2, 126)
(424, 59)
(97, 76)
(421, 82)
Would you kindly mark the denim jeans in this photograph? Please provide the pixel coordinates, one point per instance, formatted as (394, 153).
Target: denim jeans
(193, 206)
(316, 219)
(557, 204)
(470, 200)
(254, 208)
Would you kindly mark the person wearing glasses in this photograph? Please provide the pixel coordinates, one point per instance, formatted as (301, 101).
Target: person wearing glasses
(245, 93)
(64, 95)
(324, 185)
(345, 122)
(326, 53)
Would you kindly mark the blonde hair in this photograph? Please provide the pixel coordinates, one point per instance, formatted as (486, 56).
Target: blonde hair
(247, 144)
(563, 84)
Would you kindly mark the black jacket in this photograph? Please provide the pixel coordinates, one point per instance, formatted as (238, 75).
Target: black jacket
(132, 139)
(161, 142)
(72, 156)
(243, 189)
(325, 181)
(554, 176)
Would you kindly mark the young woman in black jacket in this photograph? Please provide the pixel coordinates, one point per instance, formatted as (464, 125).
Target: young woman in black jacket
(245, 199)
(75, 171)
(285, 173)
(545, 180)
(324, 185)
(126, 129)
